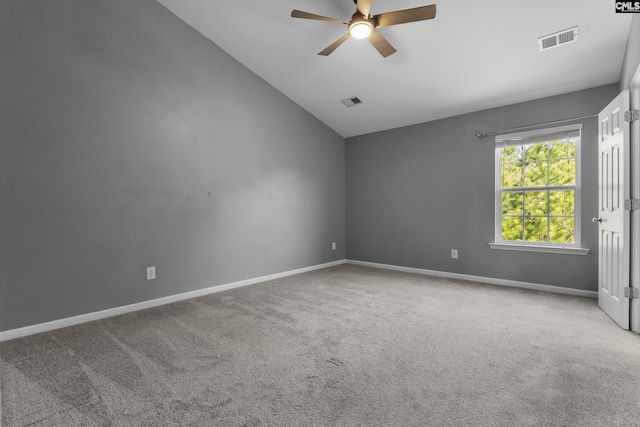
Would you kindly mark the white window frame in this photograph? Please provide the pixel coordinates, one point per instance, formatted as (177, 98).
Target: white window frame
(528, 137)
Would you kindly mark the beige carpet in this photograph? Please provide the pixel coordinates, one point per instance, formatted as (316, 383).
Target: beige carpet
(346, 346)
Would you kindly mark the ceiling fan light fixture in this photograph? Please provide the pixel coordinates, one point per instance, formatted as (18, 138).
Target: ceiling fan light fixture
(360, 29)
(363, 25)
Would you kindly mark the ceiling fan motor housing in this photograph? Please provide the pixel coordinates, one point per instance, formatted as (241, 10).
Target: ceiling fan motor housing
(360, 27)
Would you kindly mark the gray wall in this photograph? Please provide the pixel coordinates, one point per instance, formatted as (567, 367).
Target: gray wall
(632, 54)
(129, 140)
(415, 193)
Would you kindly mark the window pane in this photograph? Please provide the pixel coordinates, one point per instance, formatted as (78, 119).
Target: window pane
(561, 230)
(512, 228)
(562, 172)
(535, 203)
(513, 154)
(535, 174)
(511, 176)
(512, 203)
(530, 210)
(563, 149)
(535, 229)
(562, 203)
(538, 151)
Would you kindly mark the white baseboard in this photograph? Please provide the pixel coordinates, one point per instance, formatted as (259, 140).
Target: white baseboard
(480, 279)
(89, 317)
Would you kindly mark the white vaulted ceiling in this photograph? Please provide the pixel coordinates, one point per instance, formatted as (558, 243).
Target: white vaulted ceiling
(474, 55)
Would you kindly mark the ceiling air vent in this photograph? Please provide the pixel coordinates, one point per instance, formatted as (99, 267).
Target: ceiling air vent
(557, 39)
(351, 101)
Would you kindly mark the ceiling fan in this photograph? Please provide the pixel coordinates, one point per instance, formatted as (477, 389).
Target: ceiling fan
(363, 25)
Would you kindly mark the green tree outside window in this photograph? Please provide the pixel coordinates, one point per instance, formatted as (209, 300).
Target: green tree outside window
(538, 184)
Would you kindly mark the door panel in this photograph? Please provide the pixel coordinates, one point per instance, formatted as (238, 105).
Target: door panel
(614, 186)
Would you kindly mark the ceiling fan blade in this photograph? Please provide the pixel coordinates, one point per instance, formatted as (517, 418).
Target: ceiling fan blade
(381, 44)
(307, 15)
(405, 16)
(364, 7)
(334, 45)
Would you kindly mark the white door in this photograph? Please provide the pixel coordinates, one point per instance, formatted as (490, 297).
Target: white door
(613, 227)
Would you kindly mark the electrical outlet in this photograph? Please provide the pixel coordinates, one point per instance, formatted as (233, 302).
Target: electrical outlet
(454, 253)
(151, 273)
(333, 246)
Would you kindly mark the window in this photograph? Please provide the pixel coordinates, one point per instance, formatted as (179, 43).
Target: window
(537, 189)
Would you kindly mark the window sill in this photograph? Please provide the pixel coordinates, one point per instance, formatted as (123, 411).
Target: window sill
(540, 248)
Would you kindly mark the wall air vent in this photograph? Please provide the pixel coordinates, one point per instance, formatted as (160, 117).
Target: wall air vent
(557, 39)
(351, 101)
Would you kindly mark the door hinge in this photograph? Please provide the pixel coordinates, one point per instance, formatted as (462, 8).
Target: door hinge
(632, 204)
(631, 115)
(632, 293)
